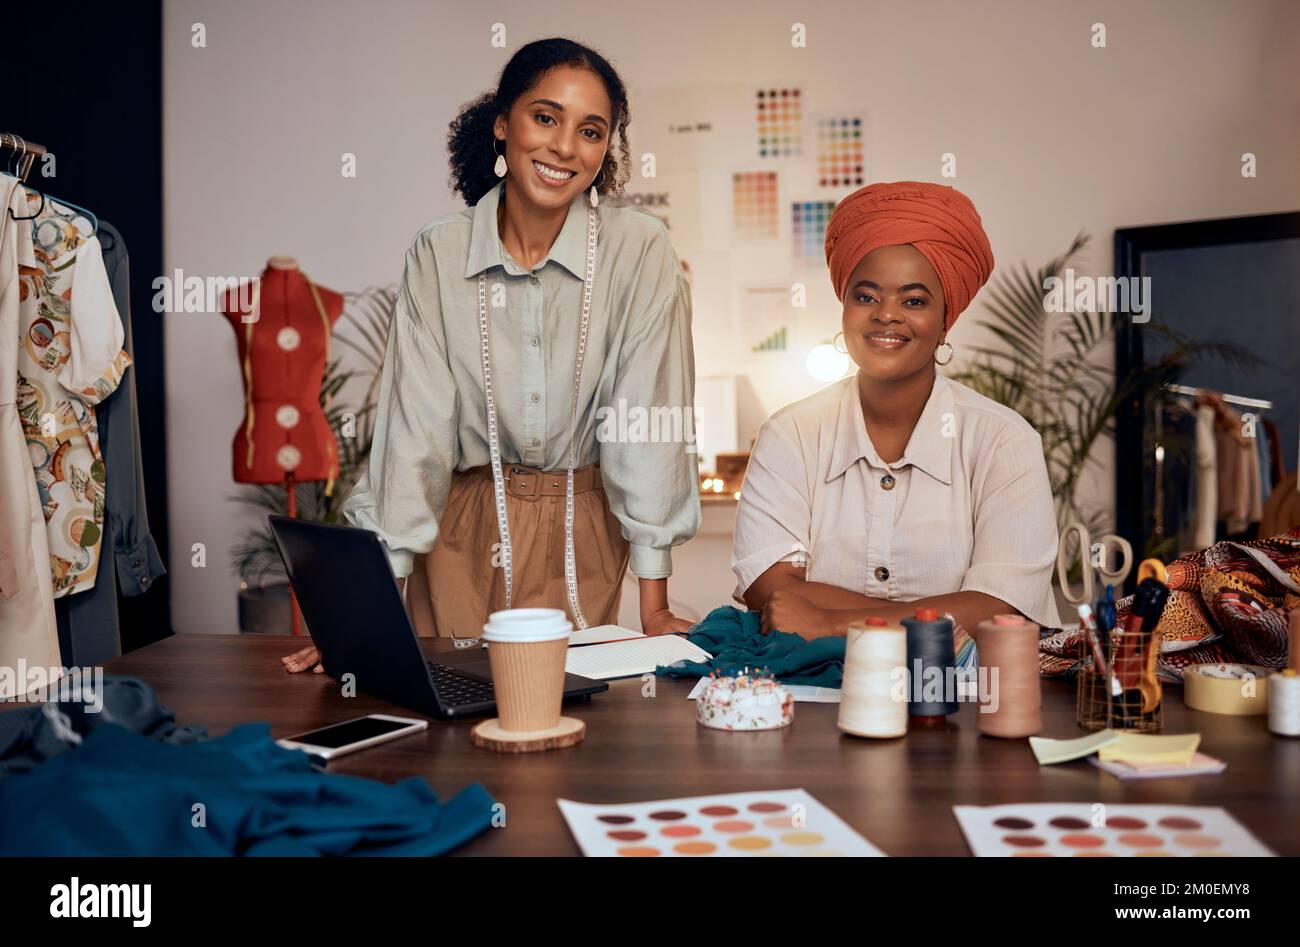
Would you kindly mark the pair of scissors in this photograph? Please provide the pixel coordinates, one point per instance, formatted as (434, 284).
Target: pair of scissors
(1096, 556)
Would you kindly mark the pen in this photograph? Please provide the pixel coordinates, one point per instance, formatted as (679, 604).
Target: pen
(1089, 627)
(1144, 615)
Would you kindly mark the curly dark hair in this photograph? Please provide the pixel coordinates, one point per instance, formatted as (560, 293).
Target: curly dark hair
(470, 140)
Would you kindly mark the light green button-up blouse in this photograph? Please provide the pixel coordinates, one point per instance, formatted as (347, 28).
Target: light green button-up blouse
(432, 415)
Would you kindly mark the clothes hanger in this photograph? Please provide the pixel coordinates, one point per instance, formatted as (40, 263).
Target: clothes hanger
(12, 144)
(94, 221)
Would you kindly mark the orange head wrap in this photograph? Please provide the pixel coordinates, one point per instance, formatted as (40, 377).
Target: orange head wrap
(938, 220)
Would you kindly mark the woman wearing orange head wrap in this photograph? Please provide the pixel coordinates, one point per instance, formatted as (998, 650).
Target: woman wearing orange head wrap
(897, 487)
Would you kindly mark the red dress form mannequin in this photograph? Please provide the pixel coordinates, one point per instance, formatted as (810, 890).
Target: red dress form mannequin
(283, 348)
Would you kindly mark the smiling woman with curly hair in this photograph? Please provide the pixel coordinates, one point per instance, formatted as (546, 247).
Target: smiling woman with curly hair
(522, 322)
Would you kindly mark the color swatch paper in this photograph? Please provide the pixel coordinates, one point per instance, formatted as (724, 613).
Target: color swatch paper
(785, 822)
(840, 158)
(754, 204)
(778, 116)
(808, 231)
(1083, 829)
(778, 341)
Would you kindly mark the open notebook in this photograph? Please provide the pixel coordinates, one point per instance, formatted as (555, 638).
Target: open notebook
(599, 634)
(632, 657)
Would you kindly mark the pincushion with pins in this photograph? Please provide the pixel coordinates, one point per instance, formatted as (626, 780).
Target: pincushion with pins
(744, 702)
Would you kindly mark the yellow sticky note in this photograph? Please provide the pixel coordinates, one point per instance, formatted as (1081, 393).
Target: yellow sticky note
(1176, 749)
(1062, 751)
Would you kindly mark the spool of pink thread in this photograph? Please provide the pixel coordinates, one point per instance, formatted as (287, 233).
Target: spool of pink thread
(1009, 643)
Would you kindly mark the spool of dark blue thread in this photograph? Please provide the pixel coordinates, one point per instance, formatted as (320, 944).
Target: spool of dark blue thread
(929, 641)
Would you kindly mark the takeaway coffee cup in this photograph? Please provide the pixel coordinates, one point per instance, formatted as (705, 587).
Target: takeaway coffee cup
(527, 648)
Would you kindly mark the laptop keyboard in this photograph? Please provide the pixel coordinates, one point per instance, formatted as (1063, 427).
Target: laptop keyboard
(456, 689)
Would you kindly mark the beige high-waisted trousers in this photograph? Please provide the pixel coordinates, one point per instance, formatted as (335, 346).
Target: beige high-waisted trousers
(453, 589)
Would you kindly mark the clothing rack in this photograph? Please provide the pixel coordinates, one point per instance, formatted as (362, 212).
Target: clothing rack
(1258, 404)
(11, 144)
(1231, 399)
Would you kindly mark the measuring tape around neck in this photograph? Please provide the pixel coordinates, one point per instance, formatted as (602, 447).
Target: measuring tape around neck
(494, 436)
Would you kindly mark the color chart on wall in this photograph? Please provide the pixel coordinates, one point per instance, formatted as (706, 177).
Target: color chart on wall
(840, 161)
(778, 116)
(778, 341)
(1071, 829)
(754, 205)
(786, 822)
(808, 230)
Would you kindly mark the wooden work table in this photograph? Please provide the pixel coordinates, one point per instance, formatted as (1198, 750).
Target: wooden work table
(897, 793)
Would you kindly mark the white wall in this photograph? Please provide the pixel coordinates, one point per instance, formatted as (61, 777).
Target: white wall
(1051, 135)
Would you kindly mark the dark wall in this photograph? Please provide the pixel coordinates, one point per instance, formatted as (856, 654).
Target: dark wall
(1232, 280)
(91, 93)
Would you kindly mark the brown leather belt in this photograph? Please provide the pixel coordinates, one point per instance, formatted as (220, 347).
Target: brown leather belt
(529, 482)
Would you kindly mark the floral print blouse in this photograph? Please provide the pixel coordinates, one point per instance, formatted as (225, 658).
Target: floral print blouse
(70, 358)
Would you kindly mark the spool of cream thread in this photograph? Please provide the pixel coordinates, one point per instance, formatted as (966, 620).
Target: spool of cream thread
(873, 701)
(1010, 644)
(1284, 703)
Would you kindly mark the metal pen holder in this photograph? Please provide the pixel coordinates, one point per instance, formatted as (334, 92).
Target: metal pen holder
(1137, 706)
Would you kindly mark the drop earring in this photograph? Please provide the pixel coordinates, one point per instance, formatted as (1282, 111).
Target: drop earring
(500, 167)
(593, 197)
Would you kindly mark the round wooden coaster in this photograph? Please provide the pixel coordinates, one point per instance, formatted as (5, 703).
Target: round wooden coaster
(490, 736)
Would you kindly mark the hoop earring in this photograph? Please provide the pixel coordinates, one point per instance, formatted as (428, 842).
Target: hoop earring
(951, 352)
(593, 197)
(500, 167)
(835, 346)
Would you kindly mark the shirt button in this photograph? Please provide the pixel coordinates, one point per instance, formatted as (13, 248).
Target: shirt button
(536, 397)
(537, 442)
(887, 482)
(534, 280)
(882, 574)
(535, 340)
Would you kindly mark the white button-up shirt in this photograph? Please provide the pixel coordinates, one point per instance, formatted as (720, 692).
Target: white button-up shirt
(967, 507)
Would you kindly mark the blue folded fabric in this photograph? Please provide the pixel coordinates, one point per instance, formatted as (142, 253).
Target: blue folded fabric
(733, 638)
(120, 793)
(31, 735)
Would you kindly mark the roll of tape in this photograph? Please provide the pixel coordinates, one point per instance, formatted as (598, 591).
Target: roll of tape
(1236, 689)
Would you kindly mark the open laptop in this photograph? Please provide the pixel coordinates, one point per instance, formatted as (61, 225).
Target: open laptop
(357, 620)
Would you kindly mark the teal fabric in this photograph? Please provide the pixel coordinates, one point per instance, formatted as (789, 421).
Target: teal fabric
(120, 793)
(733, 638)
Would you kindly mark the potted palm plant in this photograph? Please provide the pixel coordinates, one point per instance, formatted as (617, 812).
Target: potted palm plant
(263, 585)
(1054, 368)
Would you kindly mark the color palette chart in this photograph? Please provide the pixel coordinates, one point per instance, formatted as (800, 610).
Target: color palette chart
(778, 114)
(808, 230)
(778, 341)
(753, 201)
(786, 822)
(839, 151)
(1086, 830)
